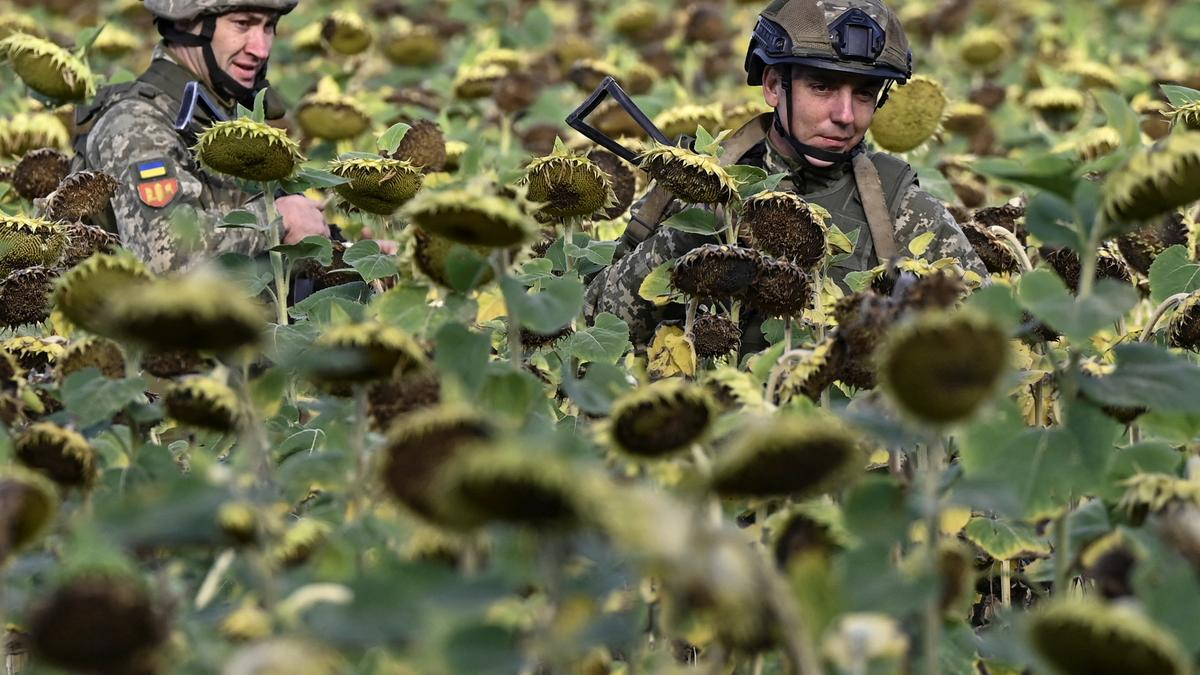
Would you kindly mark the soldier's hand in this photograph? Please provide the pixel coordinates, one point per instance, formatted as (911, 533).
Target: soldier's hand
(386, 246)
(302, 217)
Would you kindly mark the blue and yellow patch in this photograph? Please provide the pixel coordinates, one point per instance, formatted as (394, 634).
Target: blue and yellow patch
(152, 169)
(157, 185)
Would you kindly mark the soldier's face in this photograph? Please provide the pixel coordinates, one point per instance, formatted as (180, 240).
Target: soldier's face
(242, 42)
(827, 110)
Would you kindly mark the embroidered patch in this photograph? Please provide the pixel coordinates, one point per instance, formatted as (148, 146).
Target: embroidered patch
(152, 169)
(158, 193)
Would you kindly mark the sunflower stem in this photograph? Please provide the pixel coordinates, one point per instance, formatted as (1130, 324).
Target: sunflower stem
(1062, 560)
(505, 134)
(516, 352)
(359, 447)
(1014, 245)
(930, 467)
(689, 320)
(1006, 584)
(1159, 311)
(787, 333)
(281, 281)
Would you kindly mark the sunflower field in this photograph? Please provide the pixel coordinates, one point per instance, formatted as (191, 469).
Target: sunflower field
(330, 459)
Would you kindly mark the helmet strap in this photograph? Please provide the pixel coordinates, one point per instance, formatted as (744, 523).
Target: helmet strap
(802, 149)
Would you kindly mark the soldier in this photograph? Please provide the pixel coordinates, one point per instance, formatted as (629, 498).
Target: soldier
(167, 209)
(825, 67)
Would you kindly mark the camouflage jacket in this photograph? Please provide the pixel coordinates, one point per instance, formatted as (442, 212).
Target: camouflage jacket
(914, 212)
(168, 209)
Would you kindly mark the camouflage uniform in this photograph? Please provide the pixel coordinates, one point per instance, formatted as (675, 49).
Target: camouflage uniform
(914, 212)
(168, 209)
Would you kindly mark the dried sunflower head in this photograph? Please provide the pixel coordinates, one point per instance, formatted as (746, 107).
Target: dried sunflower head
(715, 271)
(469, 217)
(199, 311)
(814, 373)
(984, 49)
(28, 503)
(98, 622)
(25, 242)
(48, 69)
(662, 418)
(92, 352)
(912, 115)
(63, 455)
(682, 120)
(175, 362)
(531, 340)
(85, 291)
(941, 367)
(692, 177)
(300, 542)
(1109, 265)
(408, 44)
(389, 399)
(715, 335)
(786, 226)
(1097, 143)
(25, 295)
(377, 185)
(788, 456)
(1059, 107)
(995, 254)
(1184, 329)
(780, 288)
(1085, 637)
(568, 185)
(83, 241)
(1155, 180)
(587, 74)
(964, 117)
(1187, 115)
(203, 402)
(328, 114)
(39, 172)
(346, 33)
(423, 146)
(34, 353)
(363, 352)
(81, 195)
(639, 78)
(477, 81)
(1141, 246)
(418, 445)
(620, 177)
(249, 150)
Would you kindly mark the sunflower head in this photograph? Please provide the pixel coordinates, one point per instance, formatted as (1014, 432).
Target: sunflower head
(1059, 107)
(28, 503)
(48, 69)
(912, 115)
(24, 132)
(39, 172)
(941, 367)
(478, 81)
(389, 399)
(682, 120)
(469, 217)
(34, 353)
(25, 295)
(636, 20)
(364, 352)
(1155, 180)
(346, 33)
(620, 176)
(25, 242)
(715, 271)
(61, 454)
(788, 456)
(1097, 143)
(92, 352)
(780, 288)
(418, 446)
(81, 195)
(992, 250)
(715, 335)
(250, 150)
(409, 44)
(431, 254)
(692, 177)
(203, 402)
(587, 74)
(569, 185)
(1140, 247)
(662, 418)
(83, 241)
(1080, 637)
(811, 527)
(377, 185)
(786, 226)
(812, 374)
(85, 291)
(247, 623)
(964, 117)
(423, 146)
(328, 114)
(200, 311)
(115, 42)
(1093, 75)
(984, 49)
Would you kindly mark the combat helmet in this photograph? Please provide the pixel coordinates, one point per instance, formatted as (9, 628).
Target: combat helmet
(168, 12)
(862, 37)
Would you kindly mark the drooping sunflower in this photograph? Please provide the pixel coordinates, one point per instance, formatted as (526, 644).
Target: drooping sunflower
(423, 146)
(377, 185)
(62, 455)
(471, 217)
(203, 402)
(346, 33)
(85, 292)
(1088, 637)
(692, 177)
(568, 185)
(48, 69)
(328, 114)
(788, 456)
(780, 288)
(410, 44)
(39, 172)
(786, 226)
(661, 419)
(92, 352)
(1155, 180)
(912, 115)
(364, 352)
(249, 150)
(81, 195)
(28, 503)
(715, 271)
(25, 295)
(682, 120)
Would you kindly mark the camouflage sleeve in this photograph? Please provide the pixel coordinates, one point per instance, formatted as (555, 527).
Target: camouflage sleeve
(921, 212)
(615, 288)
(167, 210)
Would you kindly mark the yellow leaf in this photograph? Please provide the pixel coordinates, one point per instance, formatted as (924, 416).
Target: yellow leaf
(656, 287)
(951, 522)
(839, 242)
(920, 244)
(491, 306)
(671, 353)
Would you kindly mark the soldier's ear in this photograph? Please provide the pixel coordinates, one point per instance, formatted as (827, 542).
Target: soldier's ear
(772, 86)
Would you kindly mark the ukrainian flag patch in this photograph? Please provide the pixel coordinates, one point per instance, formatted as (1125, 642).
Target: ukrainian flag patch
(152, 169)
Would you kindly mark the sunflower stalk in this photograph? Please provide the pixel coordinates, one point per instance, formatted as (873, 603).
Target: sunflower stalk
(930, 461)
(277, 271)
(516, 352)
(1163, 307)
(1014, 245)
(358, 445)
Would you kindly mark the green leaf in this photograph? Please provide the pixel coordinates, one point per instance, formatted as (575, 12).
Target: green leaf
(747, 190)
(1148, 457)
(859, 281)
(91, 398)
(465, 269)
(598, 252)
(463, 353)
(997, 302)
(311, 178)
(598, 389)
(314, 246)
(745, 174)
(251, 275)
(1005, 539)
(1180, 96)
(259, 113)
(1119, 115)
(547, 310)
(241, 218)
(390, 140)
(86, 38)
(694, 221)
(1173, 272)
(1048, 172)
(509, 392)
(839, 241)
(606, 340)
(1147, 376)
(1167, 586)
(657, 284)
(538, 269)
(369, 262)
(320, 306)
(1052, 219)
(1045, 295)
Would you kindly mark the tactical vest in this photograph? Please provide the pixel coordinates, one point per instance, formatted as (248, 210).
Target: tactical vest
(866, 199)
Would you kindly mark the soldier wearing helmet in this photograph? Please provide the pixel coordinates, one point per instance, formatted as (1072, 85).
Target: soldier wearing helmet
(825, 67)
(168, 209)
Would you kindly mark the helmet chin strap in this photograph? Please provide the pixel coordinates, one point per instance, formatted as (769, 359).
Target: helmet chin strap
(803, 149)
(223, 83)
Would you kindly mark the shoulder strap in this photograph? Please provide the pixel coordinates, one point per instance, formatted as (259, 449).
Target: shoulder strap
(883, 233)
(644, 221)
